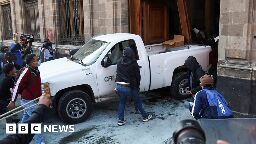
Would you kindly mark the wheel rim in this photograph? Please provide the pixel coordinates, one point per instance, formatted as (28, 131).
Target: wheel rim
(184, 87)
(76, 108)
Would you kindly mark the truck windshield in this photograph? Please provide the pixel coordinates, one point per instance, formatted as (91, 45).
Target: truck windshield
(90, 52)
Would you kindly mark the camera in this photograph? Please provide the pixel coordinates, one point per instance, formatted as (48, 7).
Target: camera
(189, 132)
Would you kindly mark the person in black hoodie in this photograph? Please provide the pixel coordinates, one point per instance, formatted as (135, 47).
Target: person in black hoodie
(195, 72)
(128, 83)
(6, 84)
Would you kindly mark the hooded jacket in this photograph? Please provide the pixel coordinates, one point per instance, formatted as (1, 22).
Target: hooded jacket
(128, 69)
(210, 104)
(195, 73)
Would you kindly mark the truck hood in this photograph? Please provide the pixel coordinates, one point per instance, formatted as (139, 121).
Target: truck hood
(58, 67)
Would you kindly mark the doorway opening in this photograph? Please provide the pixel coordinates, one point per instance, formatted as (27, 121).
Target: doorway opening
(159, 21)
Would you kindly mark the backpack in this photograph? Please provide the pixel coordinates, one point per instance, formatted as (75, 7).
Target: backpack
(217, 100)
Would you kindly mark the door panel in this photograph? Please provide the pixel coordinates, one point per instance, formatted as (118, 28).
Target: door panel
(155, 21)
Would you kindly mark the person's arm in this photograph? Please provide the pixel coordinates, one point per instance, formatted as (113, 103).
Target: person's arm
(8, 84)
(21, 83)
(137, 73)
(197, 106)
(37, 117)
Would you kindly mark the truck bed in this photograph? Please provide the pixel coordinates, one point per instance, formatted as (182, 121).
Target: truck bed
(164, 61)
(159, 48)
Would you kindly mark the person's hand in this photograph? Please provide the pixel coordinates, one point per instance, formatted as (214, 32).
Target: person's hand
(45, 100)
(11, 105)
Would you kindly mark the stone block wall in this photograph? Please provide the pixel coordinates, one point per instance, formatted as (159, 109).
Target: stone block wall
(1, 22)
(48, 19)
(100, 17)
(105, 16)
(237, 54)
(235, 29)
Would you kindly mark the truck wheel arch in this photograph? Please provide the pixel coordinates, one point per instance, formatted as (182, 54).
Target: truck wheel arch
(179, 70)
(179, 75)
(86, 88)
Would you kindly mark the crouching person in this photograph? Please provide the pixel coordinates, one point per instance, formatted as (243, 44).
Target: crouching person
(209, 103)
(128, 83)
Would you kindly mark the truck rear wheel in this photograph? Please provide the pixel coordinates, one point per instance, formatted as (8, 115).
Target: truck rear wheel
(180, 86)
(74, 106)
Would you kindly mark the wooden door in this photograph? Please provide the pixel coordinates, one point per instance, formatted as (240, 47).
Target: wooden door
(155, 21)
(135, 16)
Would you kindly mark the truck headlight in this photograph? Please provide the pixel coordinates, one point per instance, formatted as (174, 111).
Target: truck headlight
(46, 89)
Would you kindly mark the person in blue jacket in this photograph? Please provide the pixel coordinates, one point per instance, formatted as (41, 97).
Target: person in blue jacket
(15, 49)
(209, 103)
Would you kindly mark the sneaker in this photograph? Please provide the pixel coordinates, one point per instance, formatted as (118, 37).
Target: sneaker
(121, 122)
(147, 118)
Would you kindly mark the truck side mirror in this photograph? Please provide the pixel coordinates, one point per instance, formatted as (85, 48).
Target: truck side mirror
(106, 62)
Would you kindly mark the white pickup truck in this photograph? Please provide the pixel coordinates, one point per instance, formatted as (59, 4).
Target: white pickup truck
(89, 75)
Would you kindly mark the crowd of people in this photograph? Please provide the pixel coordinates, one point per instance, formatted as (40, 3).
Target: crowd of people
(19, 75)
(21, 48)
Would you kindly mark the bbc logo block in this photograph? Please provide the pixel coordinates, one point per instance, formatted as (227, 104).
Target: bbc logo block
(11, 128)
(23, 128)
(36, 128)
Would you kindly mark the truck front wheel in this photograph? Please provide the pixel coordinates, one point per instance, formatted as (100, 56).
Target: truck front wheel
(180, 86)
(74, 106)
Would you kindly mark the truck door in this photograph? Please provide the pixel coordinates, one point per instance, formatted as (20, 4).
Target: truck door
(106, 75)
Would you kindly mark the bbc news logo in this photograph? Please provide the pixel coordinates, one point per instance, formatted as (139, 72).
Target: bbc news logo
(36, 128)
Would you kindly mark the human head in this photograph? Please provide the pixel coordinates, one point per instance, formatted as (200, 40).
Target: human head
(4, 49)
(32, 60)
(10, 70)
(191, 63)
(128, 53)
(9, 57)
(206, 81)
(46, 40)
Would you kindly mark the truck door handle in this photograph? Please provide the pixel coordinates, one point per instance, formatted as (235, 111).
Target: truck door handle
(140, 66)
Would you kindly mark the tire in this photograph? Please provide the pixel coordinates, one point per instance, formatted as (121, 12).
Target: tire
(180, 86)
(74, 106)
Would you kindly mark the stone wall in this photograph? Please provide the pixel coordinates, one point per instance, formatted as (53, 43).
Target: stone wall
(105, 16)
(1, 22)
(2, 2)
(48, 19)
(100, 17)
(237, 54)
(235, 29)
